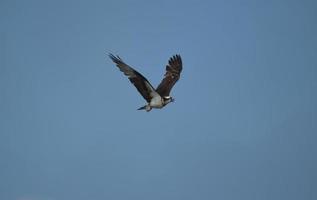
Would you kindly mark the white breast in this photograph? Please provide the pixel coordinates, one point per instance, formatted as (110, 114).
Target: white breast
(156, 102)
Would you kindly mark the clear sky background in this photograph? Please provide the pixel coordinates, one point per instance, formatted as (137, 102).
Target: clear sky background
(243, 125)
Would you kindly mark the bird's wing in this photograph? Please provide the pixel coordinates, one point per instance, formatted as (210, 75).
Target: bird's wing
(138, 80)
(173, 71)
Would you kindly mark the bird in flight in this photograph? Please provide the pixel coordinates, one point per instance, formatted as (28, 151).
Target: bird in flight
(159, 97)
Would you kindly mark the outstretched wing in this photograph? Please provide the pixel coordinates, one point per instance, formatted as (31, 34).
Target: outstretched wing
(173, 71)
(138, 80)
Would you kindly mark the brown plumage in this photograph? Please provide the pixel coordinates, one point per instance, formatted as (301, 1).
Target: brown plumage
(137, 79)
(151, 95)
(173, 71)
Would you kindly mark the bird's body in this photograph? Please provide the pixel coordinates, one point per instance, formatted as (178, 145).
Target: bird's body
(157, 102)
(156, 98)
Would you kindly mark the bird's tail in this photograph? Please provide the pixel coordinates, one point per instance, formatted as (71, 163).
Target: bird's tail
(142, 108)
(146, 107)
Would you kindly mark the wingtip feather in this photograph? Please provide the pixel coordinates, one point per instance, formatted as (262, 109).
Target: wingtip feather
(115, 59)
(175, 60)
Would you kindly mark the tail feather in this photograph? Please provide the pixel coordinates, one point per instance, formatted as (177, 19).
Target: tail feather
(142, 108)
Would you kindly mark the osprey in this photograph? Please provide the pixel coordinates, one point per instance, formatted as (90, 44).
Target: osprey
(159, 97)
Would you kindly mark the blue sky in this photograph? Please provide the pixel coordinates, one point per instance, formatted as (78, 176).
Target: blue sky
(243, 125)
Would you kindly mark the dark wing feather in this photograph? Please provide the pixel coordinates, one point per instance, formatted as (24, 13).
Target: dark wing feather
(138, 80)
(173, 71)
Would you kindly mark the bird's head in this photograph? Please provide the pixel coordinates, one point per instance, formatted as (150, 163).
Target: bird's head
(168, 99)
